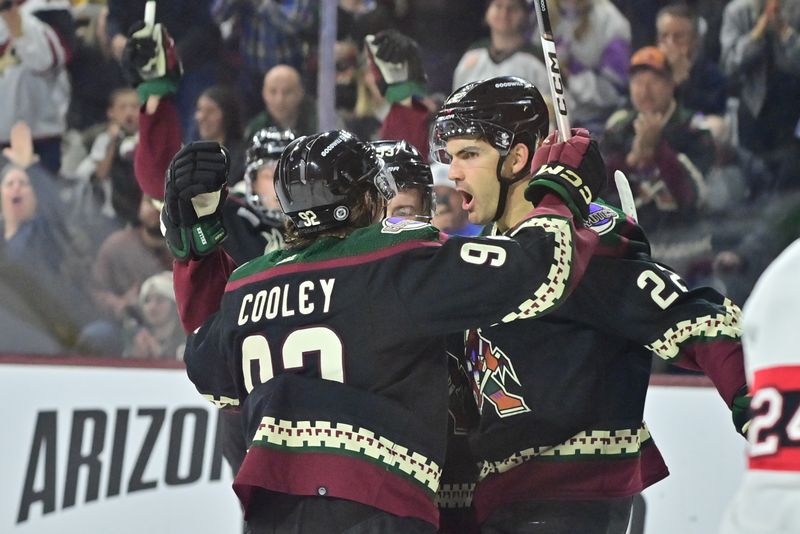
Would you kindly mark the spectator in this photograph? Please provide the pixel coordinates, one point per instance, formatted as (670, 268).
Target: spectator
(665, 156)
(36, 247)
(218, 119)
(266, 34)
(34, 85)
(286, 103)
(197, 38)
(507, 51)
(29, 232)
(761, 53)
(594, 44)
(95, 74)
(156, 332)
(699, 82)
(107, 189)
(125, 260)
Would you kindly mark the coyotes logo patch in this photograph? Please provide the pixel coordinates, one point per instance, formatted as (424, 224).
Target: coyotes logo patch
(492, 375)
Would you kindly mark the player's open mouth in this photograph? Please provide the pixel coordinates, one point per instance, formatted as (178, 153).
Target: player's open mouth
(16, 200)
(466, 200)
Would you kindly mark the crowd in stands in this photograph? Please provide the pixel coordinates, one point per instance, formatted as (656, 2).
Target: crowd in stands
(698, 102)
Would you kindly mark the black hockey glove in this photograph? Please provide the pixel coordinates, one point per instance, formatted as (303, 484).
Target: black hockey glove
(150, 61)
(196, 188)
(397, 65)
(573, 169)
(740, 411)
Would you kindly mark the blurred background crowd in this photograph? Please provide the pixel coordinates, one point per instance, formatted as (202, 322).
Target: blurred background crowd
(698, 102)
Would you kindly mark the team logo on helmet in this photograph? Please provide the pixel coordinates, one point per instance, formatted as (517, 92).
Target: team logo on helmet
(492, 376)
(341, 213)
(503, 139)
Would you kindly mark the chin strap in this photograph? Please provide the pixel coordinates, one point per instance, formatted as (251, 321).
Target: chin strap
(504, 186)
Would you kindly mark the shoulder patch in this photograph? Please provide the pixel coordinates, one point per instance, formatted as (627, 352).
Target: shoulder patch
(602, 219)
(395, 225)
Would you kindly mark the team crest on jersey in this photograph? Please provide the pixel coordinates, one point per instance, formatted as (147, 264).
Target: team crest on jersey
(395, 225)
(492, 376)
(602, 219)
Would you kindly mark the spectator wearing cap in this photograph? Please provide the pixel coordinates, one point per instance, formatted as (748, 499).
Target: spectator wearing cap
(154, 331)
(664, 152)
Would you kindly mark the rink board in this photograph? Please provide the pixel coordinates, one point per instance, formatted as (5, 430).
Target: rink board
(130, 447)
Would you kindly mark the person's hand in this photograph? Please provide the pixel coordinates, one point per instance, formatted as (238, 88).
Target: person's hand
(396, 63)
(766, 19)
(648, 128)
(13, 20)
(573, 169)
(195, 191)
(20, 151)
(727, 261)
(145, 345)
(679, 59)
(740, 411)
(150, 61)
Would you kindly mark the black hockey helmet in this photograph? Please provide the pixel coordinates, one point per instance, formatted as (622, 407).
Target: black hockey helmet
(317, 174)
(408, 168)
(502, 111)
(265, 148)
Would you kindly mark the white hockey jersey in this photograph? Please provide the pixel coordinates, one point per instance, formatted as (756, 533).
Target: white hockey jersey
(768, 500)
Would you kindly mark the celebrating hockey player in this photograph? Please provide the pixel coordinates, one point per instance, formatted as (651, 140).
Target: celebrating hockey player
(561, 444)
(333, 348)
(414, 198)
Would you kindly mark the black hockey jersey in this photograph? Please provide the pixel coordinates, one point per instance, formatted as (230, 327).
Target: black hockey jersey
(335, 352)
(562, 397)
(250, 234)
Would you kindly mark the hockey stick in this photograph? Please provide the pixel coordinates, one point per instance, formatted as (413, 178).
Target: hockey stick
(551, 61)
(560, 101)
(625, 195)
(150, 13)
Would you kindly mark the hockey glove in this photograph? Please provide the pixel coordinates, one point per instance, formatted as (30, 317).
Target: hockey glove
(196, 188)
(397, 65)
(150, 61)
(573, 169)
(740, 411)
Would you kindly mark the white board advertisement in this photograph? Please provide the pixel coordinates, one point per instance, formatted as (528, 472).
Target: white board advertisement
(92, 449)
(110, 449)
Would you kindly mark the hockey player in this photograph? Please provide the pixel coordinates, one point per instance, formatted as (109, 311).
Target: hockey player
(561, 445)
(414, 198)
(768, 500)
(333, 348)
